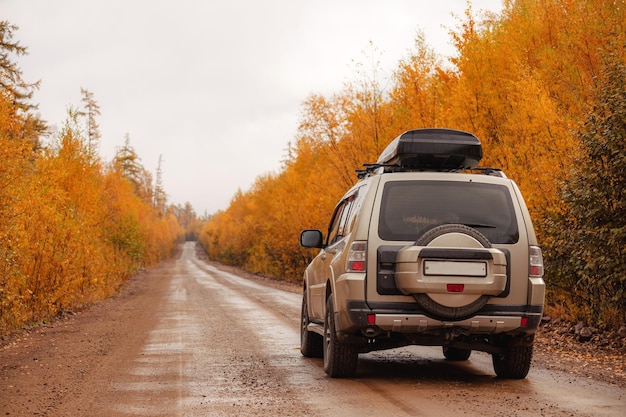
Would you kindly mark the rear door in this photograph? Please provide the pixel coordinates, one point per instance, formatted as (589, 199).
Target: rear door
(321, 270)
(411, 204)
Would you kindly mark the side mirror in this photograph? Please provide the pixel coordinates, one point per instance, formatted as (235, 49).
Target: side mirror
(311, 239)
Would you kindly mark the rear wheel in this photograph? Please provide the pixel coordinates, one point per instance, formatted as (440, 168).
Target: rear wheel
(456, 354)
(340, 359)
(513, 363)
(311, 343)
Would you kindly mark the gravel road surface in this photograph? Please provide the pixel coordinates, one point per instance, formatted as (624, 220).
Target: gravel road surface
(190, 339)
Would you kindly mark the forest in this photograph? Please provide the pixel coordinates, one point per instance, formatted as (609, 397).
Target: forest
(73, 228)
(542, 84)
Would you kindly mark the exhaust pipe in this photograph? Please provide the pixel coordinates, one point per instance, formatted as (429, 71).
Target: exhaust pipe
(371, 332)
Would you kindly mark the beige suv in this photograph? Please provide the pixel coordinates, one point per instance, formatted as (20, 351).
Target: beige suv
(425, 249)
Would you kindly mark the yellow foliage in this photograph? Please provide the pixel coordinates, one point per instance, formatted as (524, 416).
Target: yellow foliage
(71, 232)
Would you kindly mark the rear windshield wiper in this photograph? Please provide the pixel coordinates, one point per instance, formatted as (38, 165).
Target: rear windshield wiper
(485, 226)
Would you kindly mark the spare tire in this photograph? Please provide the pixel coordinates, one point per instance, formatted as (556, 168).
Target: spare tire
(435, 309)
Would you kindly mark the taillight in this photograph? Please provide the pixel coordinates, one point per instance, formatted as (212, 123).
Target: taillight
(455, 287)
(357, 257)
(535, 262)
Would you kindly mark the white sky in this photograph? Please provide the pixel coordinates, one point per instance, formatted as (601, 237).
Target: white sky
(215, 87)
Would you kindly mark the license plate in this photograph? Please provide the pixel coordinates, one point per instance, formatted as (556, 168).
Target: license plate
(455, 268)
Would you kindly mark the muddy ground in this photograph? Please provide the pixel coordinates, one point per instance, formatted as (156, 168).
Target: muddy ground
(184, 339)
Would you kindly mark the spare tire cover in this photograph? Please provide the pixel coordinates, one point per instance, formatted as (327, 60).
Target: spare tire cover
(437, 236)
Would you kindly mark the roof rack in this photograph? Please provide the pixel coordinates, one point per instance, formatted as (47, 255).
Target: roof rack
(494, 172)
(370, 169)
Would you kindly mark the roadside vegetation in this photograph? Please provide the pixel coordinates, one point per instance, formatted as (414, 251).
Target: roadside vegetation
(541, 84)
(73, 227)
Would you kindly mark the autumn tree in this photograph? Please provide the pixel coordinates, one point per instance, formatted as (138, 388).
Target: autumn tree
(589, 258)
(188, 220)
(90, 112)
(369, 116)
(230, 233)
(19, 143)
(418, 95)
(323, 125)
(16, 92)
(128, 163)
(160, 196)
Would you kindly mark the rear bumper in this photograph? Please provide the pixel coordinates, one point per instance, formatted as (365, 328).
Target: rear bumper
(418, 323)
(408, 318)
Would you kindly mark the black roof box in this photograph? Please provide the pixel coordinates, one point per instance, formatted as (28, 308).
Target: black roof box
(433, 150)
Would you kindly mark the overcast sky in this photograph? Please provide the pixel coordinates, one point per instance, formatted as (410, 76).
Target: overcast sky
(215, 87)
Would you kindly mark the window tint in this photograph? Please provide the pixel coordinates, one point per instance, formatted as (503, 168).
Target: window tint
(345, 215)
(338, 223)
(410, 208)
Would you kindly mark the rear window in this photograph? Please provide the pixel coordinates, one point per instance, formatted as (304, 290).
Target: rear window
(410, 208)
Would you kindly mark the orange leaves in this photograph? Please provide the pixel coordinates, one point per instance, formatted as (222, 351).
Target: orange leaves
(524, 82)
(71, 232)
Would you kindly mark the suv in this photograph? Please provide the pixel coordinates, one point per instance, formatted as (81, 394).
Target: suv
(425, 249)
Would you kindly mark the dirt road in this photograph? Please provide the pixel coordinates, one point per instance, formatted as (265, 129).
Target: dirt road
(188, 339)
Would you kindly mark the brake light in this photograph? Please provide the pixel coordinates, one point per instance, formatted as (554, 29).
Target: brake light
(455, 287)
(535, 262)
(357, 257)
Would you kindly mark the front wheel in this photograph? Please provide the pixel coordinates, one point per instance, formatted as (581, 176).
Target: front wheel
(340, 359)
(311, 343)
(513, 363)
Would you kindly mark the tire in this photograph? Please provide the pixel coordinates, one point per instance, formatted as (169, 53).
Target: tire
(340, 360)
(444, 229)
(435, 309)
(456, 354)
(450, 313)
(311, 343)
(513, 363)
